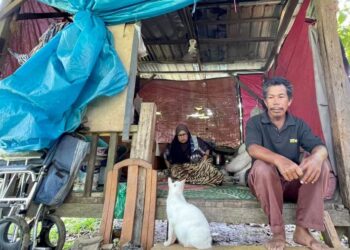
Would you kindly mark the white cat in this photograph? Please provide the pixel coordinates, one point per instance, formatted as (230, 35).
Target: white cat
(185, 221)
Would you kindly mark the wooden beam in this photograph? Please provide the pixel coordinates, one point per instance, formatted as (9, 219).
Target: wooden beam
(4, 33)
(128, 115)
(338, 91)
(91, 166)
(250, 3)
(330, 235)
(130, 204)
(229, 211)
(210, 40)
(112, 154)
(26, 16)
(142, 148)
(111, 191)
(285, 25)
(165, 68)
(10, 8)
(236, 21)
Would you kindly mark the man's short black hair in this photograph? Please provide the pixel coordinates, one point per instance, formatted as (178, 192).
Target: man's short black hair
(275, 81)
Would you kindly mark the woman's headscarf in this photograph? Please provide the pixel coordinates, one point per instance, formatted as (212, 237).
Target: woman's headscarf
(180, 152)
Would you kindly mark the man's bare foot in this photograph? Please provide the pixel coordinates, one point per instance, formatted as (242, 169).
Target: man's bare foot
(303, 237)
(278, 242)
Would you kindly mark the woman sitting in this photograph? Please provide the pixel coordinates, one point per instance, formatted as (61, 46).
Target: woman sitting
(187, 158)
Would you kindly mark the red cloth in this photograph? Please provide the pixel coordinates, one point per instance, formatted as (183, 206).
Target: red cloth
(296, 64)
(25, 34)
(176, 100)
(254, 82)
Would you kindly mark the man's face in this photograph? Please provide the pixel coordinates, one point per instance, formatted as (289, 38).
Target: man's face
(182, 136)
(277, 101)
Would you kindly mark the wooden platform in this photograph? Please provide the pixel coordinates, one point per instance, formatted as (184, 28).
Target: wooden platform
(260, 247)
(229, 211)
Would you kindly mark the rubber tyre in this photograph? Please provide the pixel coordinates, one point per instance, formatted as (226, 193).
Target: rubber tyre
(24, 238)
(47, 223)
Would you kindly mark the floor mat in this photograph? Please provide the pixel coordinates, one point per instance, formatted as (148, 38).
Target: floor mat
(230, 192)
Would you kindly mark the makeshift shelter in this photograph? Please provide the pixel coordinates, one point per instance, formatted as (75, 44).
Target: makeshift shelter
(211, 46)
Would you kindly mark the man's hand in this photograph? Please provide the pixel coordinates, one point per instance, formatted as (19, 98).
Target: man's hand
(288, 169)
(311, 167)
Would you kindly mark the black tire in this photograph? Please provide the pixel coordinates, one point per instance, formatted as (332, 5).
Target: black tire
(22, 237)
(48, 223)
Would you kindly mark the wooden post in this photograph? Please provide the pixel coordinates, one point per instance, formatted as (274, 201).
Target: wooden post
(142, 148)
(330, 234)
(91, 166)
(338, 90)
(112, 148)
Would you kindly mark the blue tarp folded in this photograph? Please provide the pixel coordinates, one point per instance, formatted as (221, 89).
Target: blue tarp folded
(48, 95)
(121, 11)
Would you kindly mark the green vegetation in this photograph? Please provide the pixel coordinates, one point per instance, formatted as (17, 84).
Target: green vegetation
(77, 227)
(344, 26)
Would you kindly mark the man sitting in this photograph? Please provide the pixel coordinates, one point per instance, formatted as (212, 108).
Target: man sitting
(273, 140)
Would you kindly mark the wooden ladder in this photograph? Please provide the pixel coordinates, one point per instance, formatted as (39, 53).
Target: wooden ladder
(134, 166)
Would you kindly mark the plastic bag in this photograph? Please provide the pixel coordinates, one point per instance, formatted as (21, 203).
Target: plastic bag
(120, 202)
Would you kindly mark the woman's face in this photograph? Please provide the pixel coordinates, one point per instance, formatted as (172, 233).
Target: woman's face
(182, 136)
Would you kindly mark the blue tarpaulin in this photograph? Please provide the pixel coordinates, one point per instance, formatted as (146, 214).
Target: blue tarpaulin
(48, 95)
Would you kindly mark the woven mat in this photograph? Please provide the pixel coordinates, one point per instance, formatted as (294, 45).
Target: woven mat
(231, 192)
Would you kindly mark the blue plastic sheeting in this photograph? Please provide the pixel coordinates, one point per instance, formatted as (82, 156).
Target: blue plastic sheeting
(48, 95)
(121, 11)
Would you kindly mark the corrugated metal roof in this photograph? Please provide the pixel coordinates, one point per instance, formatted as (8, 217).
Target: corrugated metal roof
(229, 37)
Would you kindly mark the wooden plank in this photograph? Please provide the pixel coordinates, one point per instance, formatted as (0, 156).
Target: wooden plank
(152, 212)
(128, 115)
(160, 246)
(106, 227)
(330, 235)
(142, 148)
(10, 8)
(161, 42)
(130, 205)
(338, 91)
(228, 211)
(112, 151)
(219, 67)
(236, 21)
(5, 24)
(206, 5)
(107, 114)
(31, 16)
(91, 166)
(144, 232)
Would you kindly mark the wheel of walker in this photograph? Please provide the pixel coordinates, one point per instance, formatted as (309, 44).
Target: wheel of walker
(14, 233)
(51, 232)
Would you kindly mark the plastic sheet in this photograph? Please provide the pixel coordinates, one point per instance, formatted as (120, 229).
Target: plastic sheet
(121, 11)
(48, 95)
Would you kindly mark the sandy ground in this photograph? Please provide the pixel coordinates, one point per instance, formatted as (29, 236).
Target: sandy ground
(234, 235)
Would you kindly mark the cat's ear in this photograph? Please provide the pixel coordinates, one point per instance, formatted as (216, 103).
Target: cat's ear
(183, 182)
(169, 181)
